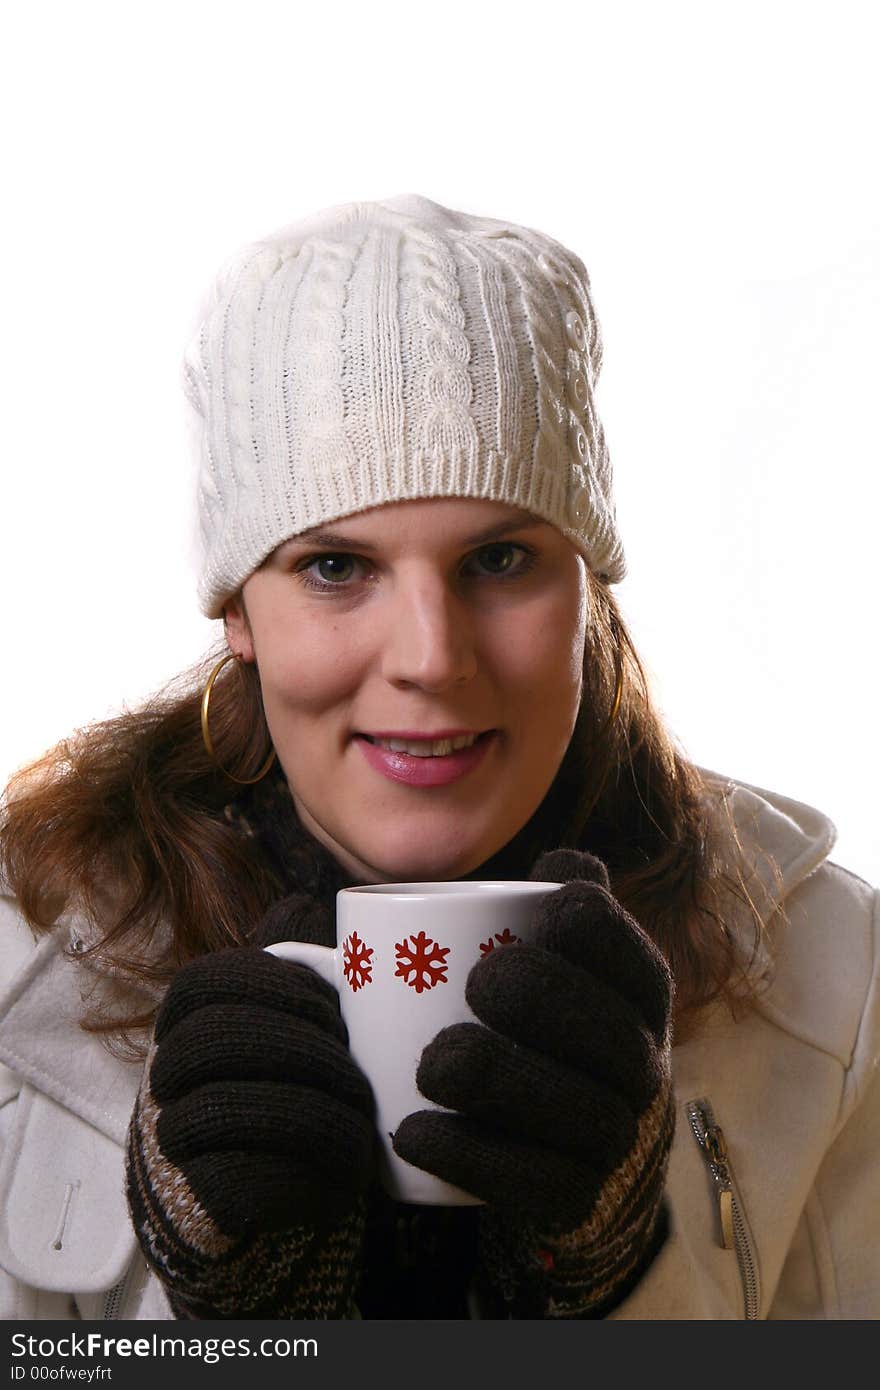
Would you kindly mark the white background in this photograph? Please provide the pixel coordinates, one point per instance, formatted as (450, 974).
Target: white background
(716, 166)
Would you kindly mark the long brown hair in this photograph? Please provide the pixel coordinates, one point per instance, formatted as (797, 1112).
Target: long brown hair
(124, 822)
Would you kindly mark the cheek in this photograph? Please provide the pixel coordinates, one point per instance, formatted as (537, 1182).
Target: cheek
(291, 697)
(309, 671)
(545, 653)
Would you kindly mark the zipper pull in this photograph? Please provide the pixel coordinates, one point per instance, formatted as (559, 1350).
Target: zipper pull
(711, 1139)
(718, 1156)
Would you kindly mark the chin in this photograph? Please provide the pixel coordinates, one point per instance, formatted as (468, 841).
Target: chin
(423, 866)
(419, 871)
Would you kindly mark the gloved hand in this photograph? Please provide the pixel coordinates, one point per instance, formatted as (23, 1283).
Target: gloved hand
(251, 1142)
(565, 1114)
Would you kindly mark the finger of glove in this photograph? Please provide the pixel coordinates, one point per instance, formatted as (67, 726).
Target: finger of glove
(586, 925)
(536, 1184)
(540, 1000)
(264, 1117)
(526, 1095)
(224, 1043)
(249, 1194)
(247, 975)
(563, 865)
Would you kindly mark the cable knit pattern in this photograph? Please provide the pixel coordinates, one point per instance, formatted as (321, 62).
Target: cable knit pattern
(447, 433)
(504, 390)
(318, 412)
(378, 352)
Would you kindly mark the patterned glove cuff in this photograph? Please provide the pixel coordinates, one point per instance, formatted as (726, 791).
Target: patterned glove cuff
(297, 1273)
(587, 1272)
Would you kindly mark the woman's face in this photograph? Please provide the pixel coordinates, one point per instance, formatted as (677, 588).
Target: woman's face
(417, 622)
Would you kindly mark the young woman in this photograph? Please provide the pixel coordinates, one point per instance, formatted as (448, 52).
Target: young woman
(666, 1104)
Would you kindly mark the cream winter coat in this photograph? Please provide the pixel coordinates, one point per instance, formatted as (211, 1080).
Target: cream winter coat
(793, 1087)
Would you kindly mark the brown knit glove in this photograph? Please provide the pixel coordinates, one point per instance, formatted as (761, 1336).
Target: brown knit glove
(564, 1109)
(250, 1146)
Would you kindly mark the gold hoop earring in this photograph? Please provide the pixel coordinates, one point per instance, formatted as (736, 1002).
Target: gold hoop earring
(206, 733)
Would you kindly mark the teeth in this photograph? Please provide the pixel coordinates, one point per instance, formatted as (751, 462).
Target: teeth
(423, 749)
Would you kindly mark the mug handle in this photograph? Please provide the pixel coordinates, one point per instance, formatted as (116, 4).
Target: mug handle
(321, 959)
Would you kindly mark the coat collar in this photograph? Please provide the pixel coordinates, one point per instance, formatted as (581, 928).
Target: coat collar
(42, 1043)
(778, 841)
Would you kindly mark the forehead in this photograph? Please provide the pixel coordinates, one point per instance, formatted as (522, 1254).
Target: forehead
(464, 519)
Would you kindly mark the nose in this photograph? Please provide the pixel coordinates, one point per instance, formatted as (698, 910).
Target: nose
(429, 638)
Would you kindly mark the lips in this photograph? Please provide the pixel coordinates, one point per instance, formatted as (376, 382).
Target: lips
(419, 735)
(424, 771)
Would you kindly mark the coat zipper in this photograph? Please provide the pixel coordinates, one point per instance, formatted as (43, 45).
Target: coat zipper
(734, 1231)
(115, 1297)
(113, 1301)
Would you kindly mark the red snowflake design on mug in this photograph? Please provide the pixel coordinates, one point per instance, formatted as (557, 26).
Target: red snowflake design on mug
(422, 960)
(357, 961)
(504, 938)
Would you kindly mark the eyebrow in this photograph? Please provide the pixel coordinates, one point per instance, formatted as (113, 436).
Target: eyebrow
(335, 540)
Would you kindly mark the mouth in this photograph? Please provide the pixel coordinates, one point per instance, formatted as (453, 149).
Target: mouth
(427, 761)
(427, 745)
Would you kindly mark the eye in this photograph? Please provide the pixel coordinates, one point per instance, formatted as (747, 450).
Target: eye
(335, 568)
(503, 558)
(331, 571)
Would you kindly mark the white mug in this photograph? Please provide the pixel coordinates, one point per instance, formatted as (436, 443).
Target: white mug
(403, 956)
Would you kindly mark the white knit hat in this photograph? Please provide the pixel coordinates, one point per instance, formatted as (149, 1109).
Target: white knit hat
(378, 352)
